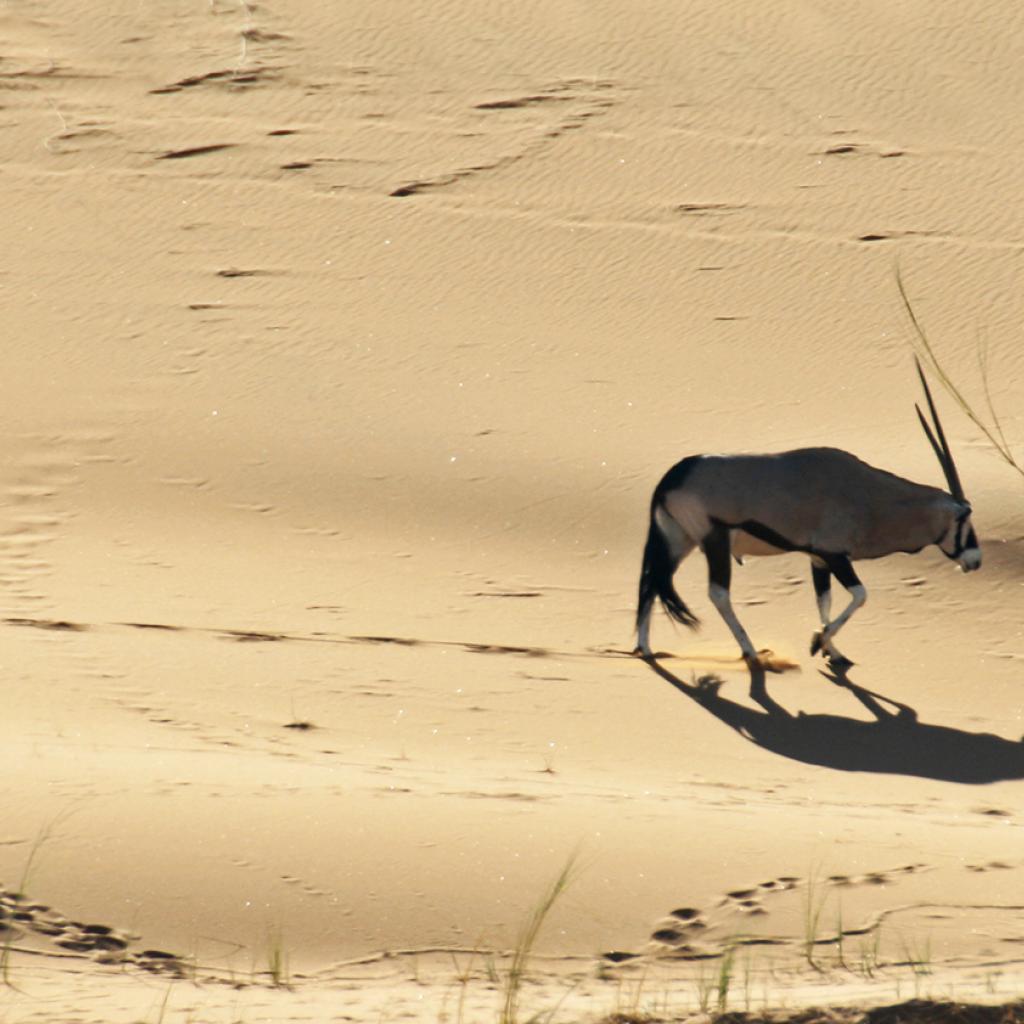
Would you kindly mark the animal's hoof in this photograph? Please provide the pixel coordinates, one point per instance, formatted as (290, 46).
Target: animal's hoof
(766, 660)
(816, 643)
(639, 652)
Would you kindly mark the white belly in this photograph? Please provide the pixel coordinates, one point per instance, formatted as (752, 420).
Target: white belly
(744, 544)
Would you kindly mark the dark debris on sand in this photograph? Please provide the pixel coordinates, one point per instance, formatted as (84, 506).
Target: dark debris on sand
(914, 1011)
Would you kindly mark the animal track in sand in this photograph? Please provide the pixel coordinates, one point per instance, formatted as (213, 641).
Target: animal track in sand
(530, 652)
(184, 154)
(306, 887)
(233, 79)
(741, 894)
(505, 593)
(746, 901)
(319, 637)
(587, 99)
(22, 919)
(863, 149)
(236, 272)
(521, 101)
(688, 919)
(400, 641)
(243, 636)
(992, 865)
(708, 210)
(59, 625)
(730, 920)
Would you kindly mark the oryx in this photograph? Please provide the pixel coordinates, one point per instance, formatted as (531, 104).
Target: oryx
(822, 501)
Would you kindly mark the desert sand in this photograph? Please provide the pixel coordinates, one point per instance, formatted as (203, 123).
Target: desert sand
(343, 347)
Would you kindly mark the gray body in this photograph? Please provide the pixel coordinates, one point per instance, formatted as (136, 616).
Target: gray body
(816, 499)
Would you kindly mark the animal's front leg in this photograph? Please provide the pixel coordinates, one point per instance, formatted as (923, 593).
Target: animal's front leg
(821, 574)
(716, 549)
(822, 570)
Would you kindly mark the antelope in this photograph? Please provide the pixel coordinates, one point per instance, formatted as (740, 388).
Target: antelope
(822, 501)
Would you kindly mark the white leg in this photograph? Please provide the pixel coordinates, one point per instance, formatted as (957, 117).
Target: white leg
(720, 599)
(824, 606)
(858, 595)
(823, 569)
(643, 640)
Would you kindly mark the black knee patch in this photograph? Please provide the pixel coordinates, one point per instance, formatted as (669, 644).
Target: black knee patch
(841, 567)
(716, 550)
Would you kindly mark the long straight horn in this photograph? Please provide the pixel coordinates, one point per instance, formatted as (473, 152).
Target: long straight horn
(940, 445)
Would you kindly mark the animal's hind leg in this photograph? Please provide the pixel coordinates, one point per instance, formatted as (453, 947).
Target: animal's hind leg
(716, 547)
(643, 633)
(822, 569)
(677, 546)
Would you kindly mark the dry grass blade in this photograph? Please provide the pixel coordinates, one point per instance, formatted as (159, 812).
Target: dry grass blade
(994, 434)
(983, 368)
(528, 938)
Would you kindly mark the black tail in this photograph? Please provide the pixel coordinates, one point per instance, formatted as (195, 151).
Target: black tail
(659, 567)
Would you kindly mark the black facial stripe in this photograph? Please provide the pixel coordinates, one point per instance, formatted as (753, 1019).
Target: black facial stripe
(964, 536)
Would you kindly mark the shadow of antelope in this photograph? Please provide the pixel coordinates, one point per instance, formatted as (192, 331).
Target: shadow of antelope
(895, 742)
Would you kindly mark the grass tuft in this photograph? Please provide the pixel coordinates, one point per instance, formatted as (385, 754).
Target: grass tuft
(528, 939)
(814, 904)
(725, 971)
(703, 989)
(43, 836)
(278, 960)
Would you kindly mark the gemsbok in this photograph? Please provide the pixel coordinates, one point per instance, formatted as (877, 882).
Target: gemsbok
(822, 501)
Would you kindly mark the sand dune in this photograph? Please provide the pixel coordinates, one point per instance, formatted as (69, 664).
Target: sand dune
(344, 348)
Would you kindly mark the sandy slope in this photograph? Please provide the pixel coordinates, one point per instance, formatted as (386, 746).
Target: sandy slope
(343, 349)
